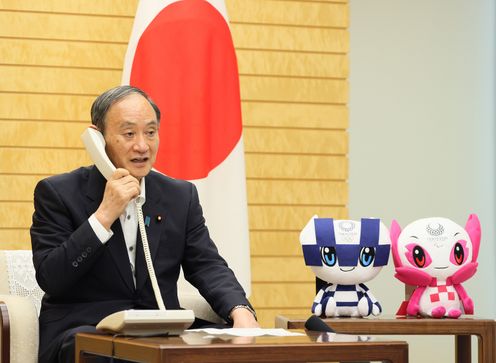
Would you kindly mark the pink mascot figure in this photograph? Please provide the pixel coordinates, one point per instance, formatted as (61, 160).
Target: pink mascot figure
(436, 255)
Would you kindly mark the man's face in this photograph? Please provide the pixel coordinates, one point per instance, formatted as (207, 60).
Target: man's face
(131, 135)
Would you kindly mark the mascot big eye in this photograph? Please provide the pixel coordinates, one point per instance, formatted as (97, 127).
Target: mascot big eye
(435, 255)
(345, 254)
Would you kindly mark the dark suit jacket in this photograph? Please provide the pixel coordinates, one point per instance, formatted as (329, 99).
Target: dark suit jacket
(85, 280)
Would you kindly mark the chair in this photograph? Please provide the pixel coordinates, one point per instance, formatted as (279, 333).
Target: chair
(20, 301)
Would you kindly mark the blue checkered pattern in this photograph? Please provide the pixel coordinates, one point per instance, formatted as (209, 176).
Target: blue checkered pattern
(347, 254)
(346, 298)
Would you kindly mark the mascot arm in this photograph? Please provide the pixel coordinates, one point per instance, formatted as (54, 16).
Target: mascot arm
(317, 303)
(464, 273)
(413, 307)
(467, 302)
(318, 297)
(376, 307)
(412, 276)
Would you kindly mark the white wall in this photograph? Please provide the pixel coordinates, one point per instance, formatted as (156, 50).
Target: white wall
(422, 130)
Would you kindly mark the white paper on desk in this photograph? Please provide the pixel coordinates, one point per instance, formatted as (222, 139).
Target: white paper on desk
(248, 332)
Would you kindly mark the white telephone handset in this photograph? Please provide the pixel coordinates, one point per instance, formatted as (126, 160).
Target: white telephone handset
(95, 146)
(136, 322)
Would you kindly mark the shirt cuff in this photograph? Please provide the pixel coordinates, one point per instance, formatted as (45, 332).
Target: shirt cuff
(100, 231)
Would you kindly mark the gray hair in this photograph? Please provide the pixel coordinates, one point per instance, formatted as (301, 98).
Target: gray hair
(103, 103)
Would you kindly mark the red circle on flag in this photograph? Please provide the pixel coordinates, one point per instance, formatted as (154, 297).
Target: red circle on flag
(185, 60)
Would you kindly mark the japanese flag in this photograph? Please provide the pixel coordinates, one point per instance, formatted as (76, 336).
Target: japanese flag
(181, 53)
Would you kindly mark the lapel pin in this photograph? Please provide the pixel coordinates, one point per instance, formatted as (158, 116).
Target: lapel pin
(147, 221)
(159, 219)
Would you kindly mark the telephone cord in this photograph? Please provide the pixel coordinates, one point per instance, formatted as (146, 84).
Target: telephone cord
(148, 257)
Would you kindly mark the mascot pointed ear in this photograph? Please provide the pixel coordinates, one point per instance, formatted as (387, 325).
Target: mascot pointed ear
(473, 229)
(394, 233)
(308, 240)
(307, 234)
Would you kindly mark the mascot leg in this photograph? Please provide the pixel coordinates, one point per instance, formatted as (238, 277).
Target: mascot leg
(438, 312)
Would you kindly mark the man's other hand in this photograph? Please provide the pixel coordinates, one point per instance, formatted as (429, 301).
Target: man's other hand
(243, 318)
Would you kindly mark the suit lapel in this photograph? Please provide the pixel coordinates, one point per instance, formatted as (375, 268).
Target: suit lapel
(116, 245)
(153, 214)
(117, 249)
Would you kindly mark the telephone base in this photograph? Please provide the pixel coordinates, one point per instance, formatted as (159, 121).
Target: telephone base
(147, 322)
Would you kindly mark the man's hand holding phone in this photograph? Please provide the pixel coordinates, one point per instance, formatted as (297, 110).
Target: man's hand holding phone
(120, 189)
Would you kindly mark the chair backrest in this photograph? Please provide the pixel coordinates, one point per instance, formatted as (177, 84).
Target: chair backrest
(17, 276)
(20, 300)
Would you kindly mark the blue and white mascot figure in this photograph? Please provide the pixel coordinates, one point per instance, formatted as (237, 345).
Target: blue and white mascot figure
(345, 254)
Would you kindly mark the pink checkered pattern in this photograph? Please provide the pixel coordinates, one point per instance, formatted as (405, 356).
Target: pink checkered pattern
(442, 289)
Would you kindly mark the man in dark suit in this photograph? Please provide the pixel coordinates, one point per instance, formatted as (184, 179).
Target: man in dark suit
(87, 251)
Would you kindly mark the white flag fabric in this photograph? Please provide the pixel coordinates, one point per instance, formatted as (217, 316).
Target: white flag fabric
(181, 53)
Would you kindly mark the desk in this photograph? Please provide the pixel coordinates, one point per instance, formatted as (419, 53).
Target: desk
(461, 328)
(195, 348)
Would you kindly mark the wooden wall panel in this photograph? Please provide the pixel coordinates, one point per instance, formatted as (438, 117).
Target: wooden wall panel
(41, 134)
(15, 214)
(25, 106)
(22, 161)
(310, 14)
(60, 26)
(278, 295)
(266, 217)
(282, 243)
(289, 38)
(291, 141)
(262, 62)
(66, 54)
(19, 238)
(56, 56)
(94, 7)
(287, 166)
(280, 269)
(309, 90)
(55, 80)
(297, 192)
(300, 115)
(18, 187)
